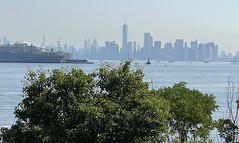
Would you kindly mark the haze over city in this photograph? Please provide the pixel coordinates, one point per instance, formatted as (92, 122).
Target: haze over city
(74, 21)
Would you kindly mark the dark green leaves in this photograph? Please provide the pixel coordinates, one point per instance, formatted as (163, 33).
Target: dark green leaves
(113, 104)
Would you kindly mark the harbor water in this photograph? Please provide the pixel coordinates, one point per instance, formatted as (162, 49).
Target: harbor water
(210, 78)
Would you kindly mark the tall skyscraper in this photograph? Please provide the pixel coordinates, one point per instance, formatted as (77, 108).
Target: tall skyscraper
(43, 41)
(148, 41)
(94, 43)
(148, 44)
(168, 51)
(178, 49)
(193, 51)
(125, 37)
(85, 44)
(5, 41)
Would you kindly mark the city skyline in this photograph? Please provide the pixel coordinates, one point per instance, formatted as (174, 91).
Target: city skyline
(180, 50)
(152, 49)
(73, 21)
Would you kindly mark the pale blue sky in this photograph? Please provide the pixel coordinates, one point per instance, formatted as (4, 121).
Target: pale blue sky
(166, 20)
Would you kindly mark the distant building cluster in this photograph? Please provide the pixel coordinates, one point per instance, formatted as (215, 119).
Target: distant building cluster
(177, 51)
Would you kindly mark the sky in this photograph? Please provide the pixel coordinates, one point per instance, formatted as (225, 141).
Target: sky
(76, 20)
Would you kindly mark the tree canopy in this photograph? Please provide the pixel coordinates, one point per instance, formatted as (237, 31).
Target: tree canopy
(112, 104)
(191, 110)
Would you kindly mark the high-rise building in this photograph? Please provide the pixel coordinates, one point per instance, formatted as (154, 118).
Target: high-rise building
(134, 47)
(202, 52)
(148, 41)
(193, 51)
(211, 51)
(94, 46)
(89, 44)
(43, 41)
(5, 41)
(167, 51)
(85, 44)
(178, 49)
(185, 52)
(111, 50)
(148, 44)
(125, 37)
(194, 44)
(94, 43)
(157, 50)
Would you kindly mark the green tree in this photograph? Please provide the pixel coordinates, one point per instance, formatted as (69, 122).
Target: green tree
(112, 104)
(191, 110)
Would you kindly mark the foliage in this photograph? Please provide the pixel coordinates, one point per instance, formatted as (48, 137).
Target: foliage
(227, 130)
(112, 104)
(192, 111)
(228, 126)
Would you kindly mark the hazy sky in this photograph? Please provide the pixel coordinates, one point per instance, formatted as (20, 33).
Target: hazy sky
(166, 20)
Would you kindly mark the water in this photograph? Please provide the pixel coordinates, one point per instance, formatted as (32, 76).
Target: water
(208, 78)
(11, 77)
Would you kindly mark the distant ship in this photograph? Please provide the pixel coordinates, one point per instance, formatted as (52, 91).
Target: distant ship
(77, 61)
(171, 61)
(73, 60)
(23, 52)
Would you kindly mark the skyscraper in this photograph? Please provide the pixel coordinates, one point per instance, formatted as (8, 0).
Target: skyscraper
(148, 41)
(178, 49)
(125, 37)
(148, 44)
(85, 44)
(43, 41)
(5, 41)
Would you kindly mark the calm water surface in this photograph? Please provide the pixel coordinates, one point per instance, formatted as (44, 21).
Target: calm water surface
(208, 78)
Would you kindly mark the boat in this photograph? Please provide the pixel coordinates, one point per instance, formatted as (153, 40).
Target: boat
(148, 62)
(234, 62)
(23, 52)
(77, 61)
(206, 61)
(170, 61)
(73, 60)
